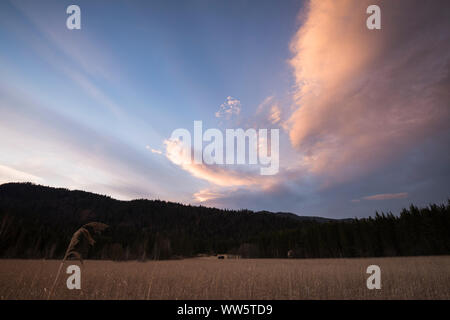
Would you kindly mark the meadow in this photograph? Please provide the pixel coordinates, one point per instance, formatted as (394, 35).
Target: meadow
(210, 278)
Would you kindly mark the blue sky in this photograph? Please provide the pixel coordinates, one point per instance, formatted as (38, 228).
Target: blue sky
(84, 109)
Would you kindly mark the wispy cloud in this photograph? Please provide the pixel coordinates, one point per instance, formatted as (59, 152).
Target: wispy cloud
(275, 114)
(207, 195)
(387, 196)
(69, 153)
(89, 54)
(153, 150)
(9, 174)
(81, 59)
(271, 113)
(383, 196)
(229, 108)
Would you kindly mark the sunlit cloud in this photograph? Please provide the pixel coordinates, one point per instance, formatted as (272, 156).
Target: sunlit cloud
(153, 150)
(383, 196)
(217, 175)
(364, 97)
(387, 196)
(275, 114)
(271, 113)
(207, 195)
(229, 108)
(8, 174)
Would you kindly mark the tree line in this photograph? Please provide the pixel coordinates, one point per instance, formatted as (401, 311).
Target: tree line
(38, 222)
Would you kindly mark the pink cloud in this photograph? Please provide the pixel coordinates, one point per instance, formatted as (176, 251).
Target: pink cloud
(387, 196)
(365, 96)
(215, 174)
(153, 150)
(206, 195)
(229, 108)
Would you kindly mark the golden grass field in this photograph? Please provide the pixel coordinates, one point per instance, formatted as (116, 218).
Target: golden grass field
(209, 278)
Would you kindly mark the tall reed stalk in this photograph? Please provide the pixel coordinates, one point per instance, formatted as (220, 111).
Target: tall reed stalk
(73, 248)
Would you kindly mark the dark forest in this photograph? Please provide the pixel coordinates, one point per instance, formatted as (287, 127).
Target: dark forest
(38, 222)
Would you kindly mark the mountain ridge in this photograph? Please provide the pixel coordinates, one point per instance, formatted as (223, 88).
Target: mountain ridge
(38, 222)
(62, 189)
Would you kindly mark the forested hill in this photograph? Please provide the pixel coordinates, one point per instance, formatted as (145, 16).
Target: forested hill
(38, 222)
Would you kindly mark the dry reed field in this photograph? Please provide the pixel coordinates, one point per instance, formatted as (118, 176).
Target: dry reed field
(209, 278)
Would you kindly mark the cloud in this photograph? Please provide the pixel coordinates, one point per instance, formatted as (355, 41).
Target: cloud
(42, 143)
(8, 174)
(263, 106)
(275, 114)
(387, 196)
(365, 97)
(370, 109)
(80, 58)
(383, 196)
(270, 110)
(207, 195)
(254, 198)
(153, 150)
(229, 108)
(91, 55)
(217, 175)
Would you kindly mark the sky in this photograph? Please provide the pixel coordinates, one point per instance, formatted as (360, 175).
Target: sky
(362, 114)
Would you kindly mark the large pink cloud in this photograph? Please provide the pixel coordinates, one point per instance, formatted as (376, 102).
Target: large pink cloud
(365, 96)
